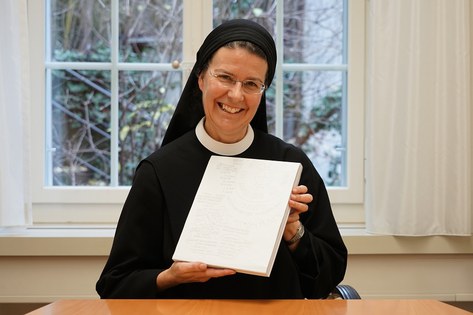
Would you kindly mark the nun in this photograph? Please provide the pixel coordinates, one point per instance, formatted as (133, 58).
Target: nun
(222, 111)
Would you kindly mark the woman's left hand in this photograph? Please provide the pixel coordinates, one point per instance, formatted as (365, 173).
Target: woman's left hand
(300, 198)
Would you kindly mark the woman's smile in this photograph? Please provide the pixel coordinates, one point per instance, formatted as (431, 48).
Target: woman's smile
(229, 109)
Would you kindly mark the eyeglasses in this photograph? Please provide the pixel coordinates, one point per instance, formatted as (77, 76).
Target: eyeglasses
(248, 86)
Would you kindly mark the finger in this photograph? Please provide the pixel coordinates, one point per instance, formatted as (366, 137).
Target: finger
(218, 272)
(297, 207)
(305, 198)
(301, 189)
(292, 219)
(187, 271)
(191, 266)
(212, 273)
(198, 272)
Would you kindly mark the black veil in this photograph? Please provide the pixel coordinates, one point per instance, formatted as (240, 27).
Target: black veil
(189, 110)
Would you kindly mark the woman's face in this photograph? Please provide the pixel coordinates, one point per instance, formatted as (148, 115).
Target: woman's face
(228, 109)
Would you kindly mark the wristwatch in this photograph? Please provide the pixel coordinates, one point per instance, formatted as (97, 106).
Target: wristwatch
(297, 236)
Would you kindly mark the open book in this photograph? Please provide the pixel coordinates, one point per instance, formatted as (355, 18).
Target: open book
(239, 214)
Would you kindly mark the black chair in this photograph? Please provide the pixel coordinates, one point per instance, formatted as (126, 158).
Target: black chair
(345, 292)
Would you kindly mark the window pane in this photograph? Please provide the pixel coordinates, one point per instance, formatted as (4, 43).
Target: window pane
(261, 11)
(313, 102)
(80, 121)
(150, 31)
(313, 31)
(271, 108)
(79, 144)
(80, 30)
(147, 101)
(313, 119)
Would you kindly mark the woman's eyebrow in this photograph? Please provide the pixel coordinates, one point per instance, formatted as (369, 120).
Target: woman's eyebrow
(233, 75)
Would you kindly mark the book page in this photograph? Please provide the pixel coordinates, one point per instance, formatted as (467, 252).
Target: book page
(239, 214)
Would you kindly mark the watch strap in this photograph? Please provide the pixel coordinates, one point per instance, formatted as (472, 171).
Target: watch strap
(299, 233)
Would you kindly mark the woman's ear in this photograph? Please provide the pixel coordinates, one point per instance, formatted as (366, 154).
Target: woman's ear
(200, 80)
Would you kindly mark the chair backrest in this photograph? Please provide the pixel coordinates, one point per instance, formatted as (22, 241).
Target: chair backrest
(344, 291)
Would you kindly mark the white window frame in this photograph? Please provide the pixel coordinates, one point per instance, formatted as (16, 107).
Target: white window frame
(102, 205)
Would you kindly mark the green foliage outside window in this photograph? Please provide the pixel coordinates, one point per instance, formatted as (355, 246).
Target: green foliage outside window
(151, 32)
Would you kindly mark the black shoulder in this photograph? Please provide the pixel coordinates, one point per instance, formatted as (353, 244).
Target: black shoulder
(172, 149)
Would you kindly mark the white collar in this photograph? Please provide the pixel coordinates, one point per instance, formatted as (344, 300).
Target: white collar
(220, 147)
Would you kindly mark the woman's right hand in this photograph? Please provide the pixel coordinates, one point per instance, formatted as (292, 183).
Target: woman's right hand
(186, 272)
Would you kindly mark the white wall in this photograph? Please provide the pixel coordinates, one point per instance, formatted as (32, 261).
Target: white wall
(38, 267)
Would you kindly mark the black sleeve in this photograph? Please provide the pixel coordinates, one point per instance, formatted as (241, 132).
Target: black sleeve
(321, 255)
(135, 259)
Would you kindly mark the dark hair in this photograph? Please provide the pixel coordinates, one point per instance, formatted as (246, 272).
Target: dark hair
(249, 46)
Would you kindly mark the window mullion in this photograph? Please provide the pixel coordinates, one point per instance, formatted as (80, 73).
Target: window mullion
(314, 67)
(49, 150)
(345, 82)
(279, 97)
(114, 86)
(61, 65)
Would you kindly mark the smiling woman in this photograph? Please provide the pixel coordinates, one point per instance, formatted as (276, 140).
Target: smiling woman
(230, 109)
(212, 118)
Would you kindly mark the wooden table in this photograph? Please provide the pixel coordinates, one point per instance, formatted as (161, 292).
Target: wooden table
(260, 307)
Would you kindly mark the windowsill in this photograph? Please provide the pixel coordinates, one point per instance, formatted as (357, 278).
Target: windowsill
(56, 241)
(97, 241)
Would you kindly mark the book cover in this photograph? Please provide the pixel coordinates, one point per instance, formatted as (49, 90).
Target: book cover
(239, 214)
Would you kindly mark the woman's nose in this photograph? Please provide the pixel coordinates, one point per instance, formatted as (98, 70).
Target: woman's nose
(236, 91)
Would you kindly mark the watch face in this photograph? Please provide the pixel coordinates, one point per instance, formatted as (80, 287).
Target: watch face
(300, 231)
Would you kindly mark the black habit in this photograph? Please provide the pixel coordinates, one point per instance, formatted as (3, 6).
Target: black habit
(156, 209)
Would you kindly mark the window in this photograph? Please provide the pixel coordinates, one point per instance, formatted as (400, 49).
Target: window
(110, 87)
(107, 74)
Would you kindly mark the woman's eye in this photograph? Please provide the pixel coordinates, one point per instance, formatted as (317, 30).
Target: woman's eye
(251, 84)
(225, 77)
